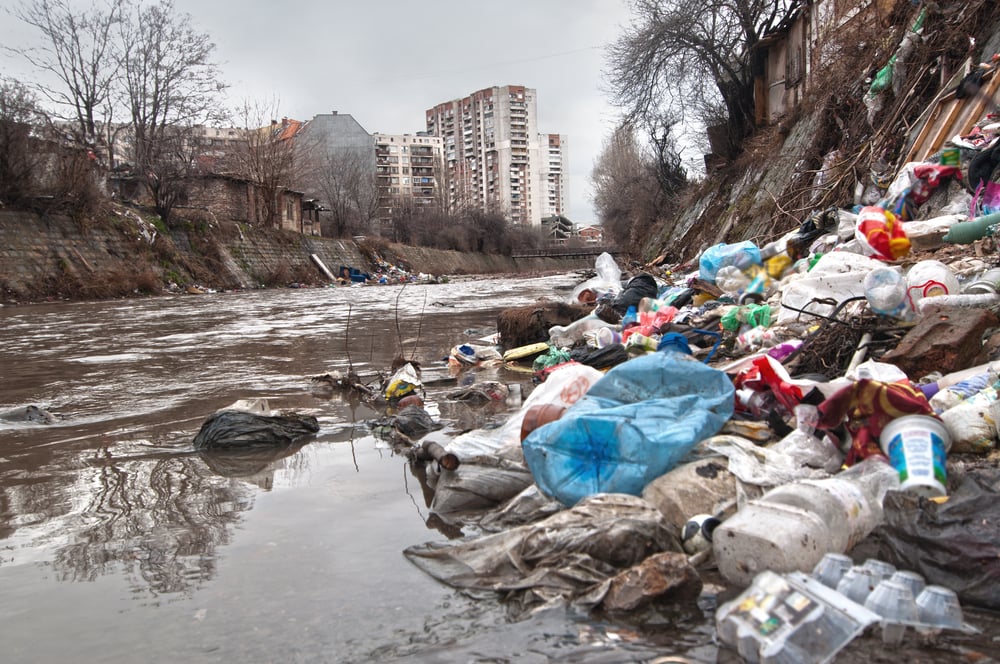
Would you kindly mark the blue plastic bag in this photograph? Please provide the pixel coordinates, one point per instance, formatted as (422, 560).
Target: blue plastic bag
(741, 254)
(633, 425)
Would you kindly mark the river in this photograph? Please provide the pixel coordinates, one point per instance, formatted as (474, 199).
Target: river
(118, 543)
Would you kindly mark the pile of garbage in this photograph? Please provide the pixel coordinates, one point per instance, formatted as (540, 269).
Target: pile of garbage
(750, 417)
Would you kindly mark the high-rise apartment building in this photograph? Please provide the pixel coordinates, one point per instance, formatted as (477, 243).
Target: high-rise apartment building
(407, 173)
(494, 157)
(551, 175)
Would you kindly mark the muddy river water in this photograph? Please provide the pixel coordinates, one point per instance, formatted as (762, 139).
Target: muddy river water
(118, 543)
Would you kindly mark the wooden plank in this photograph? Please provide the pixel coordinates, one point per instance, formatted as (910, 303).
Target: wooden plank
(961, 117)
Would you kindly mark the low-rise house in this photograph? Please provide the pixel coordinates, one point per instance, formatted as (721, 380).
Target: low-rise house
(592, 234)
(238, 199)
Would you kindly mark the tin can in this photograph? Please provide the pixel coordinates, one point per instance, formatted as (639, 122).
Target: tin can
(988, 282)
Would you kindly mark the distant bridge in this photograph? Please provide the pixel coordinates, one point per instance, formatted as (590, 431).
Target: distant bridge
(567, 252)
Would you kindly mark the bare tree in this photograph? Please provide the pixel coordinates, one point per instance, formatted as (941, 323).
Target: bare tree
(267, 157)
(19, 160)
(78, 60)
(346, 182)
(693, 58)
(171, 85)
(667, 161)
(79, 52)
(627, 192)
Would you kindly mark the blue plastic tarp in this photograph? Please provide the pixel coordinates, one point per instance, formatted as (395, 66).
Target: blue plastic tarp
(633, 425)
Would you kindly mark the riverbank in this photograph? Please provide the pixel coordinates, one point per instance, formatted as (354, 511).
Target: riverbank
(55, 257)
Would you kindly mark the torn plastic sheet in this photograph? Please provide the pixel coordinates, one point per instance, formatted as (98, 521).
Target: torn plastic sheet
(559, 558)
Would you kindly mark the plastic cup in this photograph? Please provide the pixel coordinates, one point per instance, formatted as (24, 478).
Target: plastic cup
(939, 607)
(514, 394)
(857, 584)
(911, 580)
(916, 446)
(830, 570)
(606, 337)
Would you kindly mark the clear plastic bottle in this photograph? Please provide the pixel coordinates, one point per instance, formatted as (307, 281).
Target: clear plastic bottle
(885, 289)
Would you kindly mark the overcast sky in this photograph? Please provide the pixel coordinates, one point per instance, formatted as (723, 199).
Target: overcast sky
(386, 62)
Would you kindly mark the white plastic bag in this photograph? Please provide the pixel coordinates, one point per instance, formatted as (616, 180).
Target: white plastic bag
(563, 387)
(608, 279)
(838, 276)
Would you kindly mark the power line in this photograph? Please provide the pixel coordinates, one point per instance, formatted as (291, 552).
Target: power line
(495, 64)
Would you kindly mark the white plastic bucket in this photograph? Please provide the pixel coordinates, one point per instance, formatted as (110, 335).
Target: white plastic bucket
(916, 447)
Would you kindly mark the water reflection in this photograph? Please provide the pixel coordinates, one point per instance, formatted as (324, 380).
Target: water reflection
(254, 464)
(158, 521)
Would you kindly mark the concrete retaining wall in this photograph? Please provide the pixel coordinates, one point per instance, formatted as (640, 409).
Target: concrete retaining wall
(54, 256)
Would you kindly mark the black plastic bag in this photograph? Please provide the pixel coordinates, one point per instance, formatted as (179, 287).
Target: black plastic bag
(240, 428)
(601, 358)
(638, 287)
(955, 544)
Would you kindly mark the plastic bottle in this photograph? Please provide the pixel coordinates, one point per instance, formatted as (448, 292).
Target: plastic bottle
(967, 232)
(885, 290)
(793, 526)
(562, 336)
(930, 278)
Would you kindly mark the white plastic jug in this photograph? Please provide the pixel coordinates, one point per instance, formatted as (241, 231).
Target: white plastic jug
(794, 525)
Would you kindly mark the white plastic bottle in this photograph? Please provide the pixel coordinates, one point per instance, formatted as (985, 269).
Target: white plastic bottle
(793, 526)
(562, 336)
(930, 278)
